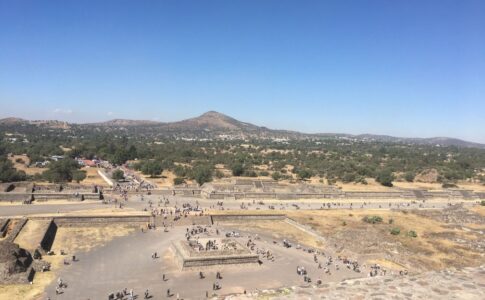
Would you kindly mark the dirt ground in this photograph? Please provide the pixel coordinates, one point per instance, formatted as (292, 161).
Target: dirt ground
(71, 240)
(284, 231)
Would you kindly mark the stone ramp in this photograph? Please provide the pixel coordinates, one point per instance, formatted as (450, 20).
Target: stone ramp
(32, 234)
(19, 224)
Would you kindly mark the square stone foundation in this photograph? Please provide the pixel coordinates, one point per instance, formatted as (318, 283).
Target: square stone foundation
(229, 252)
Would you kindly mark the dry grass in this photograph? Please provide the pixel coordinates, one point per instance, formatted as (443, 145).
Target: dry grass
(371, 186)
(93, 178)
(24, 166)
(165, 180)
(436, 246)
(479, 210)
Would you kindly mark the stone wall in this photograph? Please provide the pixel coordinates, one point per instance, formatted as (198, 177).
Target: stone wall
(203, 261)
(4, 227)
(229, 218)
(84, 221)
(15, 197)
(48, 237)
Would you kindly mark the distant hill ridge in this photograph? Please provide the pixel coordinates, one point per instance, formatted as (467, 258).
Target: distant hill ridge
(218, 123)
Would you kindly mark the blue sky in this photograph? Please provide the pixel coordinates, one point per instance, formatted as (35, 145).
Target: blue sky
(404, 68)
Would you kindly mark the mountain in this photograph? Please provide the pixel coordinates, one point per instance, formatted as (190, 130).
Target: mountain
(125, 122)
(213, 124)
(12, 121)
(213, 120)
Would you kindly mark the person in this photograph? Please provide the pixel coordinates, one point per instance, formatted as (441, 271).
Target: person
(146, 294)
(168, 292)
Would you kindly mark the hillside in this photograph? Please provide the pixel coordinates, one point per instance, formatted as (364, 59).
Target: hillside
(213, 124)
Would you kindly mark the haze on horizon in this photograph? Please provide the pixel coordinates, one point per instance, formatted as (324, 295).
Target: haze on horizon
(409, 69)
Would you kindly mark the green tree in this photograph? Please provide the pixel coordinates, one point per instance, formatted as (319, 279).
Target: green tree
(8, 173)
(409, 176)
(304, 174)
(62, 171)
(202, 174)
(385, 177)
(78, 175)
(152, 168)
(237, 169)
(118, 175)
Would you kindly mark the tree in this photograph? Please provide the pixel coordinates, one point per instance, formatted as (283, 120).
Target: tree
(409, 176)
(202, 174)
(120, 157)
(152, 168)
(78, 175)
(237, 169)
(62, 171)
(118, 175)
(304, 174)
(385, 177)
(8, 173)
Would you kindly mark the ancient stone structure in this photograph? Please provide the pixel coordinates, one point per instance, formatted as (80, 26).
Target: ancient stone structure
(15, 264)
(202, 254)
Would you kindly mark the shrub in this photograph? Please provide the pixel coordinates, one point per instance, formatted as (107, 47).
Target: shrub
(412, 233)
(391, 220)
(447, 185)
(395, 231)
(219, 174)
(482, 203)
(372, 219)
(263, 173)
(276, 176)
(178, 181)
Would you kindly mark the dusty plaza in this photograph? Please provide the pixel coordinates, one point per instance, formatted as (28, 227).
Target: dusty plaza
(182, 244)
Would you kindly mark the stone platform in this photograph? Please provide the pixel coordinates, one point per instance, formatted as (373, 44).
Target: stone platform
(228, 251)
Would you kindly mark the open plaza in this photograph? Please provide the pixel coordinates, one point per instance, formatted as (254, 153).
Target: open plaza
(84, 242)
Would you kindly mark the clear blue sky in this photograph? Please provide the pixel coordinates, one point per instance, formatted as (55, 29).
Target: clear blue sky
(404, 68)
